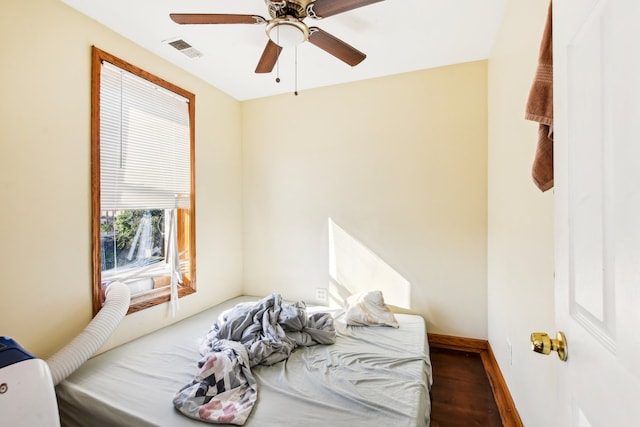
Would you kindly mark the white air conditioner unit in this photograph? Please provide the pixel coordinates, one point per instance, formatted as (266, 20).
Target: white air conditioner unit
(27, 396)
(27, 393)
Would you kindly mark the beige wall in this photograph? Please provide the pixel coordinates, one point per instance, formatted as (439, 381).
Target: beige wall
(520, 228)
(399, 163)
(45, 293)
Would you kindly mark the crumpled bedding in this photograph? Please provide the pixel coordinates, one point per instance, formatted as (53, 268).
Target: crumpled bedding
(224, 389)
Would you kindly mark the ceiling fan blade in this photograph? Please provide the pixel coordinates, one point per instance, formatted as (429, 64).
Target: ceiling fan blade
(268, 58)
(324, 8)
(335, 47)
(215, 18)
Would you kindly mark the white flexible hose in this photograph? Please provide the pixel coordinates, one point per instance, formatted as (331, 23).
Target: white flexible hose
(82, 347)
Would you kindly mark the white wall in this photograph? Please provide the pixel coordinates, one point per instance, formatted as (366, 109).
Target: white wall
(399, 163)
(520, 227)
(45, 292)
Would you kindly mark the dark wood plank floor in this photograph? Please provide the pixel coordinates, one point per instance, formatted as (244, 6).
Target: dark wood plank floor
(461, 395)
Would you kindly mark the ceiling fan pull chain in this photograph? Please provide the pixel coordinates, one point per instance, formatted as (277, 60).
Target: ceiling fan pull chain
(296, 71)
(278, 59)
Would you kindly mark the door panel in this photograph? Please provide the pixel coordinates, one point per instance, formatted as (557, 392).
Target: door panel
(590, 251)
(597, 196)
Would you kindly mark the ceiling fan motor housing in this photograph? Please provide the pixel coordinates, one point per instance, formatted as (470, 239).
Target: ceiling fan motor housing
(295, 8)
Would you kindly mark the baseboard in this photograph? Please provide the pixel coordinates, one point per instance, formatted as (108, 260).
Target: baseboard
(504, 402)
(457, 343)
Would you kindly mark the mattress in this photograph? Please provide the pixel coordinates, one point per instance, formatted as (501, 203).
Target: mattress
(370, 376)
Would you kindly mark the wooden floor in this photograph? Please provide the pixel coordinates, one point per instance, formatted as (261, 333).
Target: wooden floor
(461, 395)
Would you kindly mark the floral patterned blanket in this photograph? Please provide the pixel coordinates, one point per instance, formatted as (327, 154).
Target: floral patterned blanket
(224, 389)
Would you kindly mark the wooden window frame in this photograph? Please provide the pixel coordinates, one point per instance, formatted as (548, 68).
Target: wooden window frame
(186, 220)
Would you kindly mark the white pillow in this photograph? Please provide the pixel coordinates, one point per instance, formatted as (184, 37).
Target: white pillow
(369, 309)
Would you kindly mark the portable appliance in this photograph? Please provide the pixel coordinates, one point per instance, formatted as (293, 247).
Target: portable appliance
(27, 384)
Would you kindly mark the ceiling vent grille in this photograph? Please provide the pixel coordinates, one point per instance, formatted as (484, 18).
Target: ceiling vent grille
(185, 48)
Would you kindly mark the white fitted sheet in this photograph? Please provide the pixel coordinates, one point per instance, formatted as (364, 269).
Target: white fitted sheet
(370, 376)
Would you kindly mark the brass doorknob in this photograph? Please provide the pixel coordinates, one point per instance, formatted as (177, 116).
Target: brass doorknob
(541, 343)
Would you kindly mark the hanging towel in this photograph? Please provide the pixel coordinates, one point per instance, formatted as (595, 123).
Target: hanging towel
(540, 109)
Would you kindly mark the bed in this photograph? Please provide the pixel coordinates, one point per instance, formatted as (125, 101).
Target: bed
(369, 376)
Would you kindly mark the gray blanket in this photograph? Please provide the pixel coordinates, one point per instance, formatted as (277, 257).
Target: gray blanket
(224, 390)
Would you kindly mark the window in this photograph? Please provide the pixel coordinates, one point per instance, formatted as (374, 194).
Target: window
(143, 198)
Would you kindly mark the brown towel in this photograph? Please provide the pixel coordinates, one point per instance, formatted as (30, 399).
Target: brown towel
(540, 109)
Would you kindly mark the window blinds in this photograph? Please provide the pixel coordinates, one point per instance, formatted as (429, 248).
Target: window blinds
(144, 144)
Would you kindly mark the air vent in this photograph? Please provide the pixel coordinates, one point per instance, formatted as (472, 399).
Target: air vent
(185, 48)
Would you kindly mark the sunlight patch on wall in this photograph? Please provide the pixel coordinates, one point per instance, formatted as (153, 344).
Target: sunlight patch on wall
(354, 268)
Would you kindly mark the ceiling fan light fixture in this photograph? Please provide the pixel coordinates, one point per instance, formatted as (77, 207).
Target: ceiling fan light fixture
(287, 31)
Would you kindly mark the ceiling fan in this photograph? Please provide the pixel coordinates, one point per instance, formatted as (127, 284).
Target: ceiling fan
(286, 27)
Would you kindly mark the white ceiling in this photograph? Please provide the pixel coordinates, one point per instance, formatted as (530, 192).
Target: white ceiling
(396, 35)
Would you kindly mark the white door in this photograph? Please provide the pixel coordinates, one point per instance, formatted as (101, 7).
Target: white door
(597, 194)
